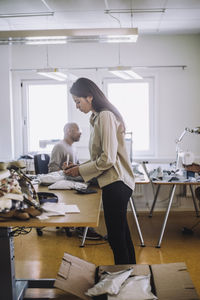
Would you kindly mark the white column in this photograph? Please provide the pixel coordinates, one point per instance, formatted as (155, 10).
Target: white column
(6, 113)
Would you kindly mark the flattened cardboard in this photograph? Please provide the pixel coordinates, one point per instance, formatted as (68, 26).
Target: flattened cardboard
(75, 276)
(168, 281)
(173, 282)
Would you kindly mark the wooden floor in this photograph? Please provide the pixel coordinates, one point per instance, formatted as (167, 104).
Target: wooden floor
(40, 257)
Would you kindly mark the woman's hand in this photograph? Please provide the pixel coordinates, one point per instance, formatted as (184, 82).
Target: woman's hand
(73, 171)
(66, 166)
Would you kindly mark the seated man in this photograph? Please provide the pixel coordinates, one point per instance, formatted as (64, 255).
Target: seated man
(64, 149)
(63, 153)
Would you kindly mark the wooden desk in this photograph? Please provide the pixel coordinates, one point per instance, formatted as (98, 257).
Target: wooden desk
(173, 185)
(89, 205)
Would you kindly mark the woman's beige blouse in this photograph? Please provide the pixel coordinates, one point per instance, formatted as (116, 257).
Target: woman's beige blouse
(109, 158)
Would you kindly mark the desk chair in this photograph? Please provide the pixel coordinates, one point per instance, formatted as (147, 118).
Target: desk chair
(41, 162)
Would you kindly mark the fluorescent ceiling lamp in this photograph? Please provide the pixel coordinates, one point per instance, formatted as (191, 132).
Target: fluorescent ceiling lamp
(90, 35)
(24, 15)
(34, 38)
(56, 74)
(135, 11)
(45, 40)
(124, 72)
(53, 74)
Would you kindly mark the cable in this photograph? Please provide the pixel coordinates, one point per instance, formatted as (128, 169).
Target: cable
(20, 230)
(95, 244)
(107, 11)
(104, 240)
(116, 19)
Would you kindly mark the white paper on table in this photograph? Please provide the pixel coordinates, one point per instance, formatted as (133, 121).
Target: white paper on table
(72, 209)
(57, 209)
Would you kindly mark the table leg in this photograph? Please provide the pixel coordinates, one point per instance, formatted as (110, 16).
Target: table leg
(10, 288)
(194, 201)
(137, 223)
(166, 215)
(84, 237)
(133, 202)
(154, 200)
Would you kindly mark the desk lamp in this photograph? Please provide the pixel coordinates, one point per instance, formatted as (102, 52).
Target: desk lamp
(193, 130)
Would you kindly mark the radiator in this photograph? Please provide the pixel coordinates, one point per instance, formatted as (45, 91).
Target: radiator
(139, 190)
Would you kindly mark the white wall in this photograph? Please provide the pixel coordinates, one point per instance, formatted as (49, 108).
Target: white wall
(177, 91)
(6, 108)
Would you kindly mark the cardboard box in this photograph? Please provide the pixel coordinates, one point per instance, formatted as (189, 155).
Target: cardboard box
(168, 281)
(75, 276)
(173, 282)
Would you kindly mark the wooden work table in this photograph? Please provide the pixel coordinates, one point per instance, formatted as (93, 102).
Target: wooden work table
(89, 205)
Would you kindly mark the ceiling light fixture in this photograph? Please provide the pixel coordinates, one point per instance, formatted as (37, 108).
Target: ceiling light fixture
(90, 35)
(52, 73)
(45, 40)
(56, 74)
(24, 15)
(124, 72)
(134, 11)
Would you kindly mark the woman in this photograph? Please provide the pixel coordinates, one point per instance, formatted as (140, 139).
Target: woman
(109, 164)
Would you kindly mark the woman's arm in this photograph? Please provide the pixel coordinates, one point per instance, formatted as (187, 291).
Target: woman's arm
(106, 130)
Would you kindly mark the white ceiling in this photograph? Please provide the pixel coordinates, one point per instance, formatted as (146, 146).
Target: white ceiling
(178, 16)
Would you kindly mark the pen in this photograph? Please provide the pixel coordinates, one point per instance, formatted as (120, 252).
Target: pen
(67, 159)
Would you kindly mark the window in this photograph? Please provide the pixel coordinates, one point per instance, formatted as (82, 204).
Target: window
(134, 100)
(45, 113)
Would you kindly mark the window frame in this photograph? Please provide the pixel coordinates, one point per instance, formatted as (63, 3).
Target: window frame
(25, 84)
(152, 109)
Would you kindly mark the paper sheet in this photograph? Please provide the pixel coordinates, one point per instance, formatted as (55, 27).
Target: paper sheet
(57, 209)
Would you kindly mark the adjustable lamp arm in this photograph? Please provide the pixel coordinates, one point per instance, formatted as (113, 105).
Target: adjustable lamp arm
(194, 130)
(181, 137)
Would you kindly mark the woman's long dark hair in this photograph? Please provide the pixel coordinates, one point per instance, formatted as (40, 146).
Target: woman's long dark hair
(84, 87)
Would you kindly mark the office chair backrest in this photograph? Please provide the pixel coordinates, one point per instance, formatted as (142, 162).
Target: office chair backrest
(41, 162)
